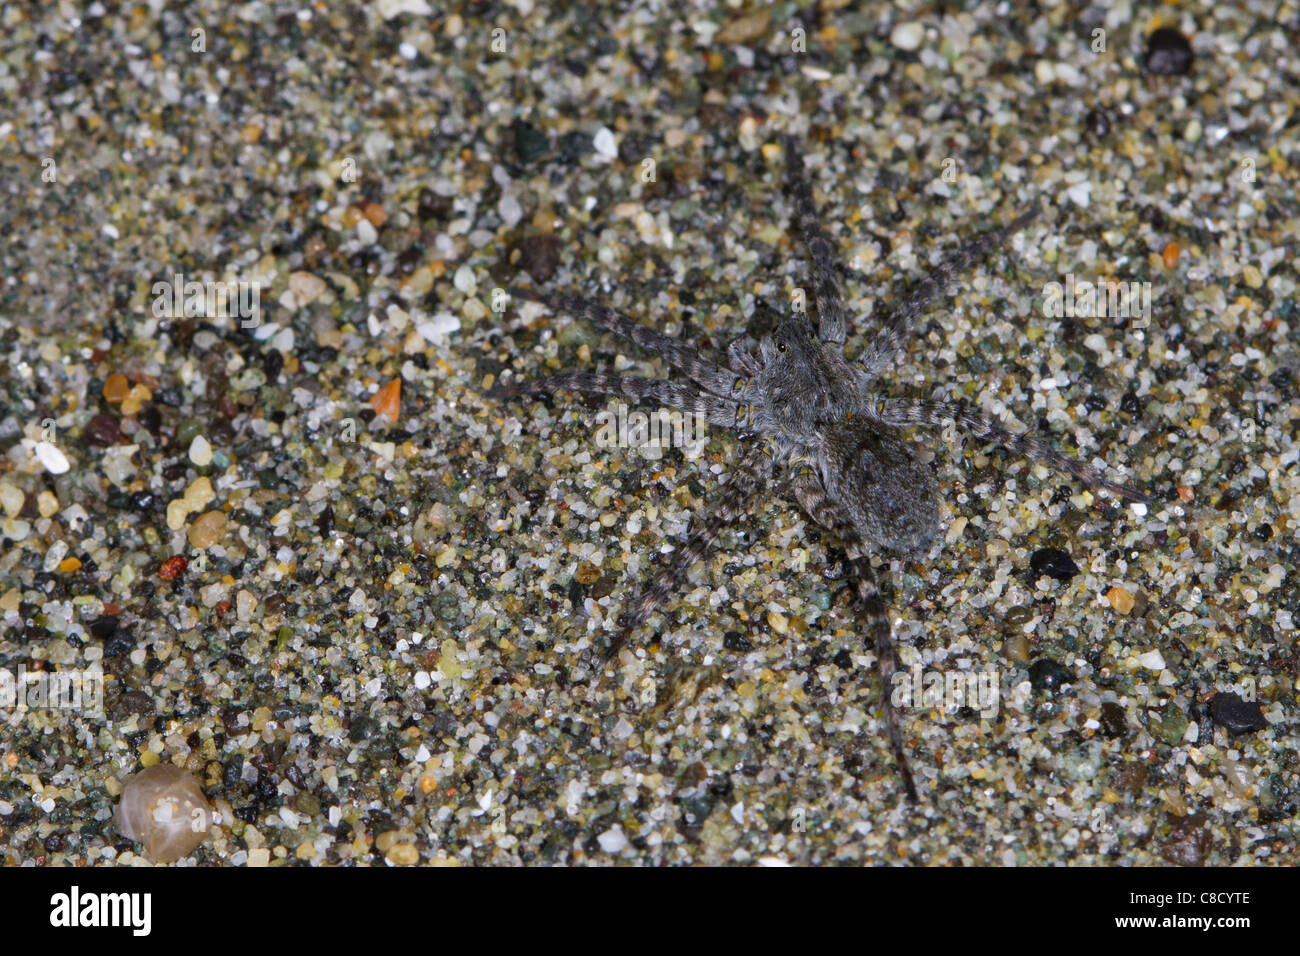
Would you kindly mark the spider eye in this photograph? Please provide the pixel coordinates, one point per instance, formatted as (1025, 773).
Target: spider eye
(780, 346)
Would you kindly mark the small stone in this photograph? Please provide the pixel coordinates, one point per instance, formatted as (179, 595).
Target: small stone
(464, 280)
(1016, 647)
(588, 573)
(200, 451)
(1120, 599)
(388, 400)
(746, 28)
(1114, 723)
(907, 35)
(539, 256)
(207, 529)
(1098, 122)
(103, 431)
(55, 462)
(440, 326)
(403, 854)
(1170, 725)
(1130, 777)
(305, 287)
(177, 512)
(1188, 841)
(135, 399)
(374, 212)
(1054, 563)
(163, 807)
(605, 144)
(1152, 661)
(116, 388)
(509, 210)
(1235, 715)
(11, 499)
(1169, 255)
(68, 565)
(47, 504)
(1168, 52)
(530, 143)
(389, 9)
(1047, 675)
(613, 840)
(199, 493)
(104, 626)
(778, 622)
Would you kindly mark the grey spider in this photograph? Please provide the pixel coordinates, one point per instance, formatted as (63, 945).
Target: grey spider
(823, 433)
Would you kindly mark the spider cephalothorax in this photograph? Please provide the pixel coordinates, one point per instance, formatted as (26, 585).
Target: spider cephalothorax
(813, 423)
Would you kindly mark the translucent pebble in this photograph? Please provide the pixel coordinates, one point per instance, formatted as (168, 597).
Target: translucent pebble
(163, 808)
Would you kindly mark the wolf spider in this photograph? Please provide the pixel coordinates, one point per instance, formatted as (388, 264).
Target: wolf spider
(827, 437)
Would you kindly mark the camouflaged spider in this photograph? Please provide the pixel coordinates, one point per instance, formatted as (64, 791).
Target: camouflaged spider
(826, 436)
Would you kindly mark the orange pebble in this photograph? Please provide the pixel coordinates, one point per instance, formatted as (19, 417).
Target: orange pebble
(388, 400)
(173, 567)
(375, 213)
(68, 565)
(1170, 254)
(1185, 494)
(116, 388)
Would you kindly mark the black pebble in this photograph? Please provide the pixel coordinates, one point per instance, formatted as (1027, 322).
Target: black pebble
(530, 143)
(1131, 404)
(736, 641)
(272, 364)
(363, 728)
(1098, 122)
(1046, 674)
(1053, 562)
(1188, 841)
(120, 644)
(105, 627)
(539, 256)
(1113, 721)
(1235, 715)
(1168, 53)
(102, 430)
(432, 206)
(151, 418)
(575, 145)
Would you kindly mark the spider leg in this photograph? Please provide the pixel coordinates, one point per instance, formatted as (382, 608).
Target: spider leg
(742, 359)
(747, 482)
(830, 308)
(810, 494)
(882, 351)
(686, 398)
(901, 412)
(709, 375)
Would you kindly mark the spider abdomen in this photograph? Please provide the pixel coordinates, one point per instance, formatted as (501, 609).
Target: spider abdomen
(889, 497)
